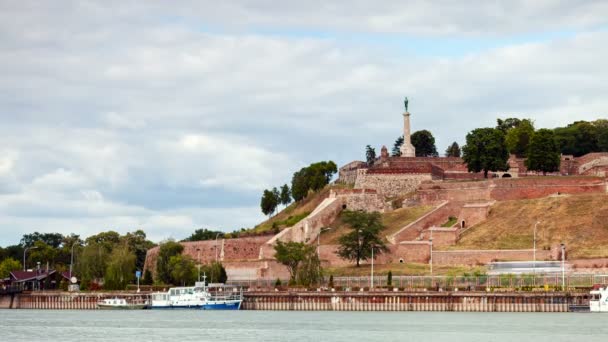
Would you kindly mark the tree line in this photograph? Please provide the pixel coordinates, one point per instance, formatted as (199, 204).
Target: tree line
(308, 179)
(488, 149)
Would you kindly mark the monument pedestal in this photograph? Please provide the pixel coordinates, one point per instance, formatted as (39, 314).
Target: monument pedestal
(407, 149)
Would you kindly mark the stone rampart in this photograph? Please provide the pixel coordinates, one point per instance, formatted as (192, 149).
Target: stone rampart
(360, 199)
(409, 251)
(391, 184)
(441, 236)
(508, 189)
(482, 257)
(348, 173)
(436, 217)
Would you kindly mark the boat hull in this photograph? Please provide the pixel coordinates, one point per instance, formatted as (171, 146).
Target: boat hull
(230, 305)
(123, 307)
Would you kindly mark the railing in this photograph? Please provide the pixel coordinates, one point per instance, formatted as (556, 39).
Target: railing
(445, 282)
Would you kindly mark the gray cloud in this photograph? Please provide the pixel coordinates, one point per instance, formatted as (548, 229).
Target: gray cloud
(119, 117)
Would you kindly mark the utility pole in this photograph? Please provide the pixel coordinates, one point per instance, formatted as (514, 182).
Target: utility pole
(372, 277)
(563, 266)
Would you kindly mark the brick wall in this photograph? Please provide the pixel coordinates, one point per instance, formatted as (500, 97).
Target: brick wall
(388, 184)
(348, 173)
(441, 236)
(410, 251)
(436, 217)
(472, 214)
(508, 189)
(482, 257)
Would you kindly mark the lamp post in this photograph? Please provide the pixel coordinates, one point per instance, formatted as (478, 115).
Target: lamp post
(24, 251)
(372, 274)
(72, 258)
(319, 246)
(216, 235)
(431, 243)
(563, 266)
(198, 250)
(534, 247)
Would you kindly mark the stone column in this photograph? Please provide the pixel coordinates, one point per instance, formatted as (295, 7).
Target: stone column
(407, 149)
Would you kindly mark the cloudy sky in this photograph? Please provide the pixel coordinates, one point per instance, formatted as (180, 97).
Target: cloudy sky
(174, 115)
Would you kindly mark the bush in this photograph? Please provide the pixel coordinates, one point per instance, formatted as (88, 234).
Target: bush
(277, 283)
(389, 279)
(331, 281)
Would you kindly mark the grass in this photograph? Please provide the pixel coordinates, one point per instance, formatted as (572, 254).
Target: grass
(403, 269)
(393, 221)
(579, 221)
(451, 221)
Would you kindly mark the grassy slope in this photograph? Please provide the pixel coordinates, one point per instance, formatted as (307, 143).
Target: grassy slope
(393, 221)
(580, 221)
(300, 208)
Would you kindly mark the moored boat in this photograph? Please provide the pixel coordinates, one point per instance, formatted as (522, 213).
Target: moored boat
(599, 300)
(199, 296)
(120, 304)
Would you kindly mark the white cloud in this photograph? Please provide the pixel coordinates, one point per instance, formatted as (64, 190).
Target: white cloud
(151, 116)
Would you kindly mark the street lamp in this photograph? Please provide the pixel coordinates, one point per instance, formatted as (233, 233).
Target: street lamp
(72, 258)
(319, 246)
(534, 264)
(372, 274)
(199, 263)
(24, 251)
(431, 243)
(563, 266)
(216, 235)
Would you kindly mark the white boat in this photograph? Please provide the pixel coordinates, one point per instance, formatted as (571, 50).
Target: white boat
(120, 304)
(599, 300)
(199, 296)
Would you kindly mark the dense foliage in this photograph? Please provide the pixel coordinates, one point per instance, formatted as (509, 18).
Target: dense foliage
(424, 142)
(370, 155)
(453, 150)
(301, 260)
(312, 178)
(486, 151)
(366, 228)
(396, 151)
(543, 153)
(203, 234)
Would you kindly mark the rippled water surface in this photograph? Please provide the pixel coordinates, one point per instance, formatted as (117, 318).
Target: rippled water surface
(192, 325)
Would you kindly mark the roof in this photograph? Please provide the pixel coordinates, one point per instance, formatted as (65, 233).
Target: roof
(23, 276)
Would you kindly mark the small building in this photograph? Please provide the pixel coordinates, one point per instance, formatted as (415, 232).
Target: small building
(35, 280)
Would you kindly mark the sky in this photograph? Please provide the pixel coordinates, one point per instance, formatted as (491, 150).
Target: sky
(170, 116)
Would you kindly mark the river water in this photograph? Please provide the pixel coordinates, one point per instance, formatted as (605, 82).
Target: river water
(319, 326)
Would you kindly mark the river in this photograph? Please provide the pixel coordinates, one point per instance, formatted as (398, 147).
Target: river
(318, 326)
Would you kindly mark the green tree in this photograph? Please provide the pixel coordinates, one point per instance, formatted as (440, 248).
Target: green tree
(396, 151)
(602, 134)
(139, 244)
(215, 272)
(543, 153)
(291, 254)
(42, 253)
(518, 138)
(204, 234)
(52, 239)
(424, 142)
(92, 262)
(486, 151)
(505, 125)
(453, 150)
(183, 270)
(389, 278)
(309, 271)
(167, 249)
(147, 279)
(366, 228)
(312, 178)
(285, 197)
(7, 266)
(269, 202)
(370, 155)
(107, 240)
(578, 138)
(120, 269)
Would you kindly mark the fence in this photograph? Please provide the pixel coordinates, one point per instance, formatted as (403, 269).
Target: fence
(444, 282)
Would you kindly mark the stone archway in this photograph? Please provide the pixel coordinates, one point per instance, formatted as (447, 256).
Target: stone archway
(506, 175)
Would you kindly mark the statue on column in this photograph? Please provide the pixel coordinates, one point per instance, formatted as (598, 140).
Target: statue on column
(406, 102)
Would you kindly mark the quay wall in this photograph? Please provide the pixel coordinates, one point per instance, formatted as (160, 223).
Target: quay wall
(420, 301)
(348, 301)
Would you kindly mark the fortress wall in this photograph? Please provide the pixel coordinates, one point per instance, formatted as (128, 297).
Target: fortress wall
(347, 174)
(473, 214)
(482, 257)
(441, 236)
(389, 184)
(508, 189)
(234, 250)
(411, 251)
(253, 270)
(436, 217)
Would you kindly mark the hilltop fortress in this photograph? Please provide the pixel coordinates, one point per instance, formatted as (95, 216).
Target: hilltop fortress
(442, 183)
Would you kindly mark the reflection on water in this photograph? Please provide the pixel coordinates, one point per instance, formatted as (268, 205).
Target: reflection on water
(192, 325)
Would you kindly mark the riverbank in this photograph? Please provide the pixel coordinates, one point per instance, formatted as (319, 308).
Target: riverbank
(466, 301)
